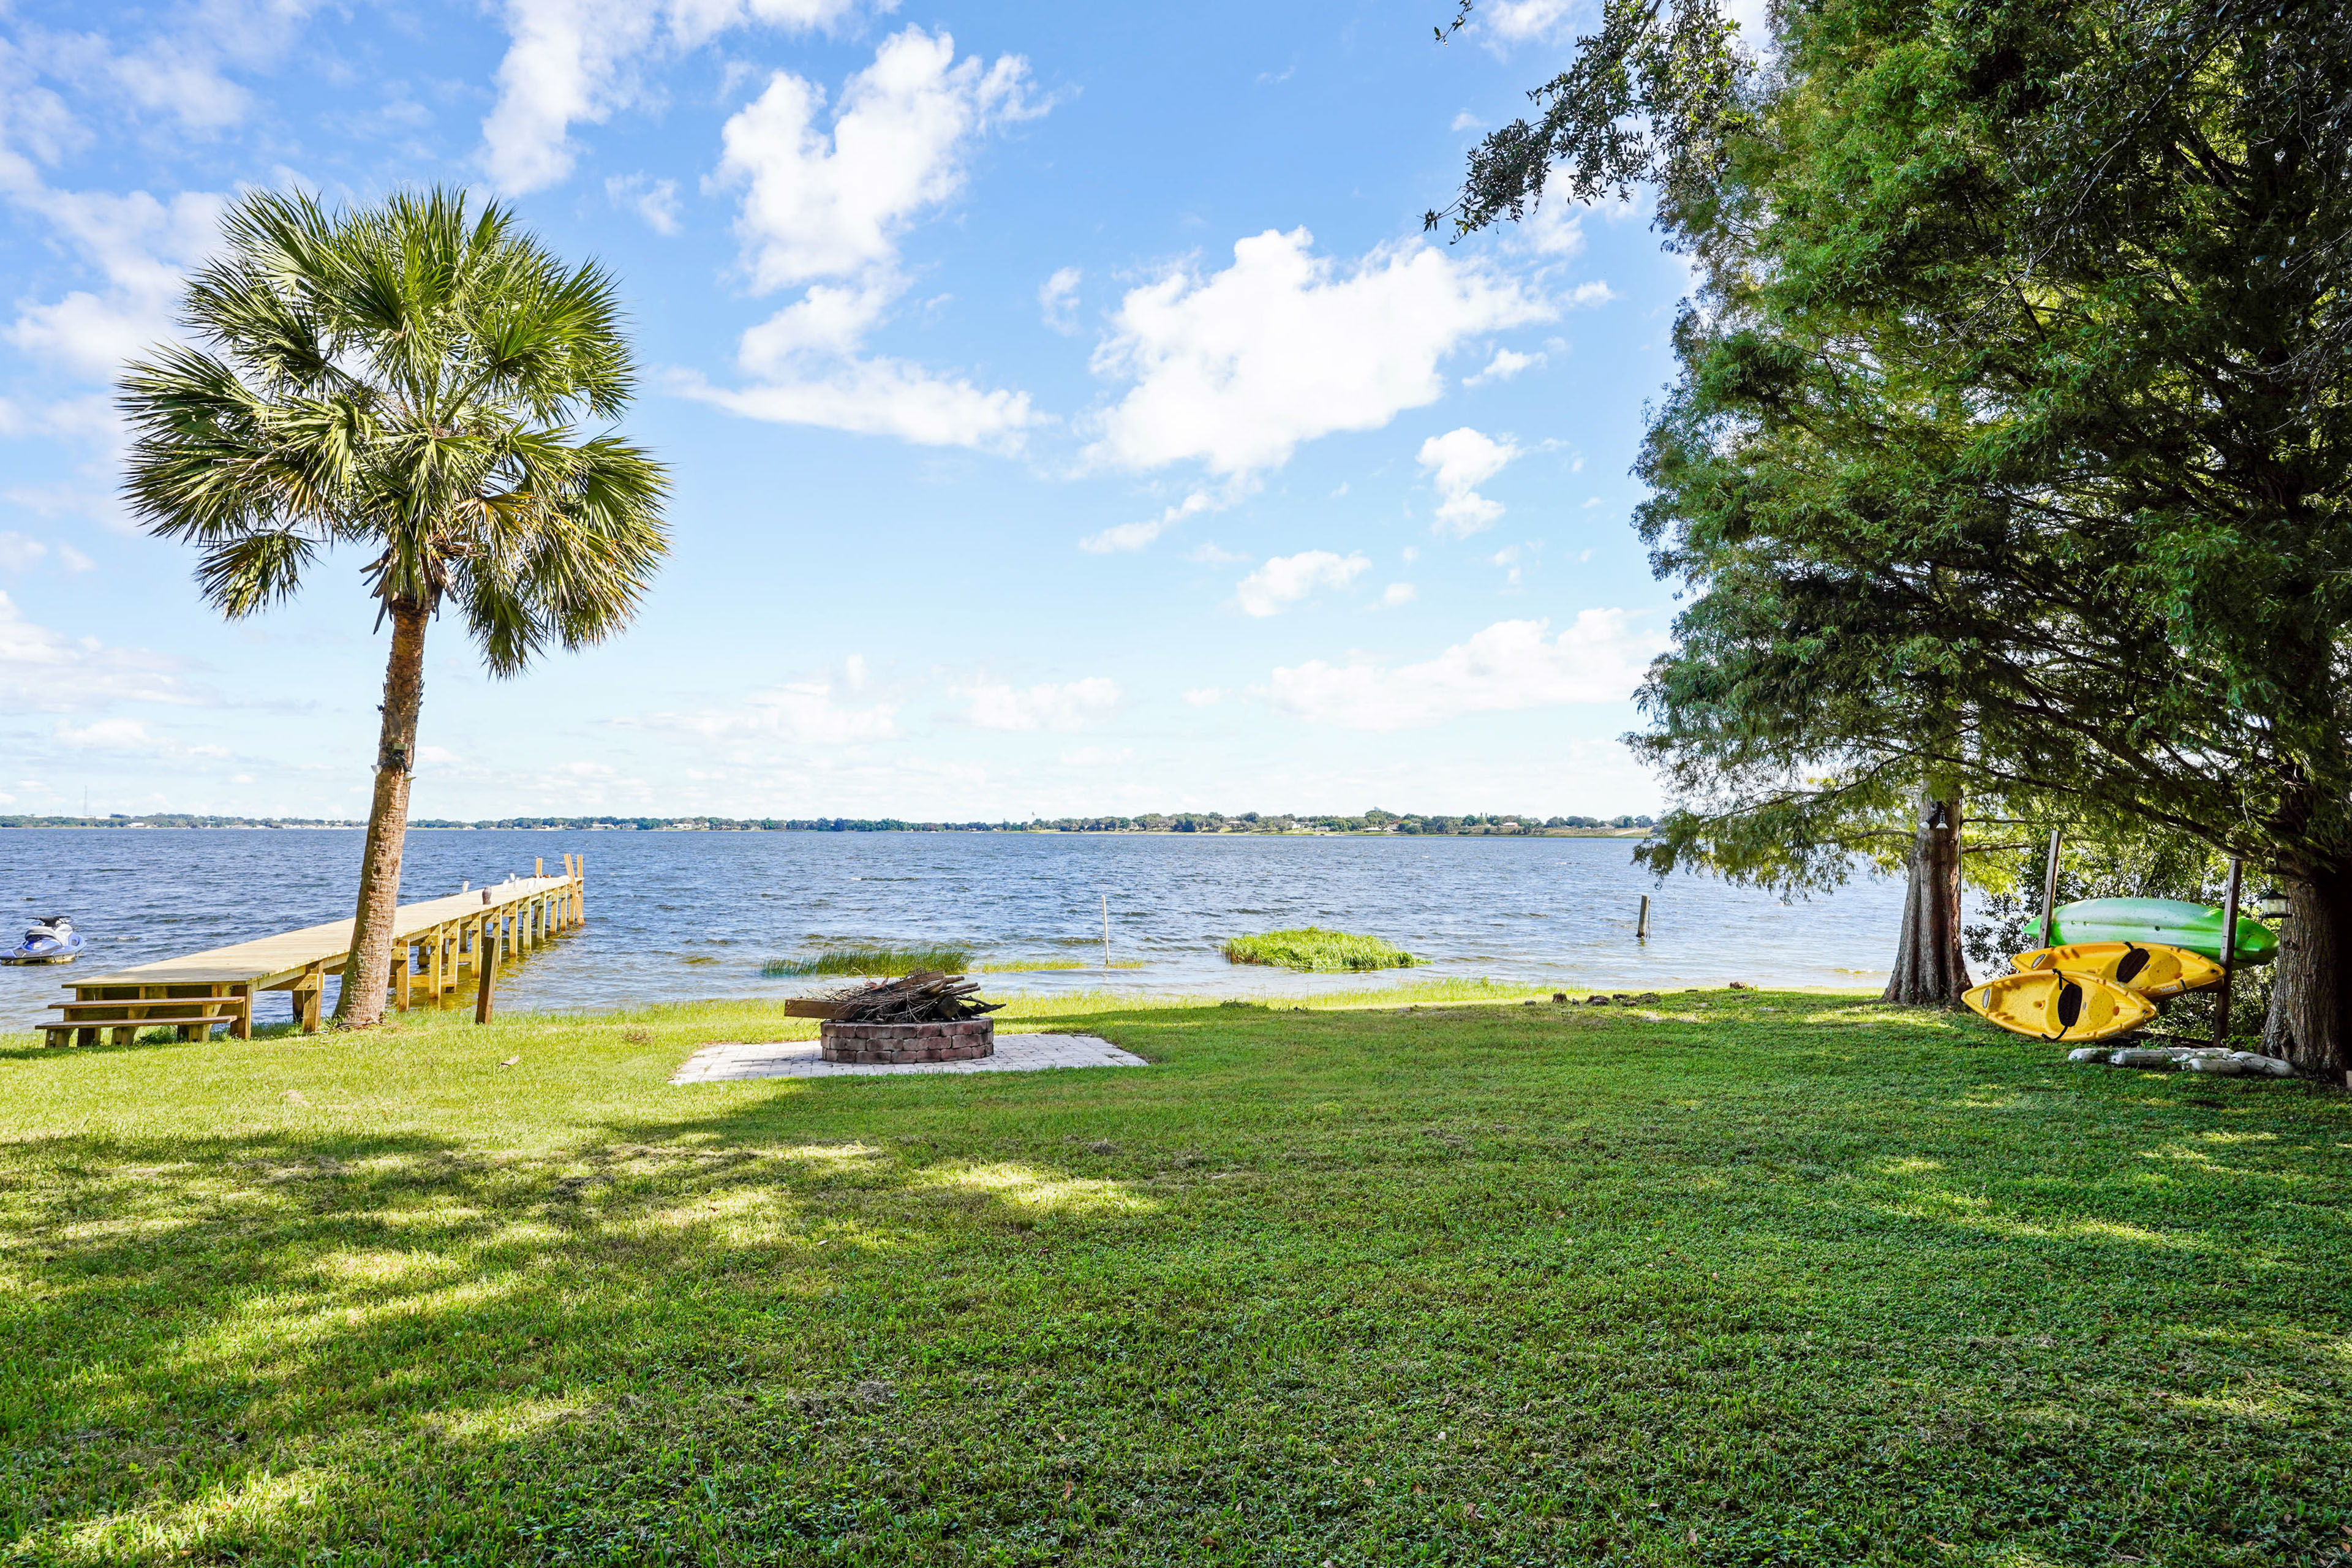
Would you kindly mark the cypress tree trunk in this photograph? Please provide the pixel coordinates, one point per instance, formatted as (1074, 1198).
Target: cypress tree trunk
(2310, 1021)
(362, 1000)
(1929, 968)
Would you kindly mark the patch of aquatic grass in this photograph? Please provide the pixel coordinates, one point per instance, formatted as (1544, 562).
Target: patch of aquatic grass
(1055, 966)
(1317, 951)
(883, 960)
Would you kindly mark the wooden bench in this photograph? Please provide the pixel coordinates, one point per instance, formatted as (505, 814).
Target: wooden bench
(124, 1017)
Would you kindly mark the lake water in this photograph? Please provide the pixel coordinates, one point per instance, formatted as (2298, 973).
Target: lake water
(676, 916)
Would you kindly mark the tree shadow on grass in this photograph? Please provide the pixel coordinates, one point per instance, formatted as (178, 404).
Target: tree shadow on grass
(1488, 1300)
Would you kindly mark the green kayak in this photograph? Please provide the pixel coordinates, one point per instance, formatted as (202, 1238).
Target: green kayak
(2197, 926)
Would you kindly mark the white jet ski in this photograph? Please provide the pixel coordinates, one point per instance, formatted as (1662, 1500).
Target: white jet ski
(52, 940)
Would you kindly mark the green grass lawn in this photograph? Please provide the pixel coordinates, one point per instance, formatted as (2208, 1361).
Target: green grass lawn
(1780, 1278)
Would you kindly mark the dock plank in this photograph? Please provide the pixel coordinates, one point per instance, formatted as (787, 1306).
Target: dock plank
(264, 960)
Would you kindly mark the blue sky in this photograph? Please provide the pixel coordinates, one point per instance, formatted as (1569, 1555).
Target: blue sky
(1066, 412)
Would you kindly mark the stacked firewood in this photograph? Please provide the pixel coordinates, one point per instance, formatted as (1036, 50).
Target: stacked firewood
(926, 996)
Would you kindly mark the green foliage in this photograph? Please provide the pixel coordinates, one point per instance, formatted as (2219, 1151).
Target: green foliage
(404, 378)
(2012, 443)
(882, 961)
(1769, 1278)
(1311, 948)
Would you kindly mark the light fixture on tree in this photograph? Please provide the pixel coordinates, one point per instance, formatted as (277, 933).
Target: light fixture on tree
(2271, 904)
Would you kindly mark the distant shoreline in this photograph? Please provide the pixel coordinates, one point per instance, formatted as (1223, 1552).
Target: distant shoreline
(1189, 824)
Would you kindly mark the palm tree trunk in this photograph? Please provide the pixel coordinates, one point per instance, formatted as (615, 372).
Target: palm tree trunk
(364, 982)
(1930, 970)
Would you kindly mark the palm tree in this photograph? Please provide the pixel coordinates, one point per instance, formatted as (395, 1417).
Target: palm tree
(403, 378)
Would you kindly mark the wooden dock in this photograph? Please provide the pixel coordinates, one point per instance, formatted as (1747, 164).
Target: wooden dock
(435, 943)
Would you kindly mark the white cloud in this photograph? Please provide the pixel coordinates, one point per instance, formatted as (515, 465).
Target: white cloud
(824, 210)
(1508, 558)
(1286, 579)
(141, 246)
(180, 71)
(1236, 369)
(819, 206)
(1097, 757)
(1136, 536)
(1057, 299)
(1556, 229)
(1044, 707)
(879, 396)
(1595, 293)
(46, 671)
(1209, 554)
(576, 61)
(1465, 121)
(1519, 21)
(655, 201)
(107, 735)
(1397, 594)
(1511, 665)
(1460, 461)
(1204, 696)
(1506, 365)
(802, 713)
(22, 552)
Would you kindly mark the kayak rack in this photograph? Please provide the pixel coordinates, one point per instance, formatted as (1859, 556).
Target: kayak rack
(434, 942)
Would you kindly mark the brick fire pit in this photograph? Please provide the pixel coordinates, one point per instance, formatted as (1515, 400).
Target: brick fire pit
(889, 1044)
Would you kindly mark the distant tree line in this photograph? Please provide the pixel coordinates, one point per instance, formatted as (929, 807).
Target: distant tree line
(1474, 825)
(176, 819)
(1373, 821)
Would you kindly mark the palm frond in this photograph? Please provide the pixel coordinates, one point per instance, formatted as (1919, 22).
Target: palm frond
(404, 377)
(250, 572)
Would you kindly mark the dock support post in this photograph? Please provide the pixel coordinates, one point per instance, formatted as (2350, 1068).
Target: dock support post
(2228, 953)
(2050, 893)
(482, 990)
(433, 964)
(404, 964)
(1642, 925)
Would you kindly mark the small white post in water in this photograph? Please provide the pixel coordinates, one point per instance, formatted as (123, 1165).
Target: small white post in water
(1105, 902)
(1642, 927)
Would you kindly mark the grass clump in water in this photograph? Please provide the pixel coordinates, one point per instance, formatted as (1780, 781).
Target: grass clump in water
(1055, 966)
(883, 960)
(1316, 950)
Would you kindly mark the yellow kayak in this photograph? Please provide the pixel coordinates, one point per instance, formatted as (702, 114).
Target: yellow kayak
(2149, 968)
(2051, 1004)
